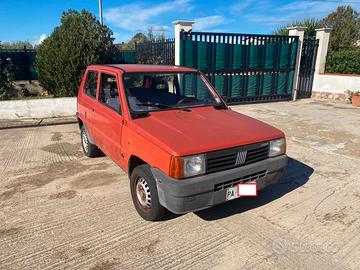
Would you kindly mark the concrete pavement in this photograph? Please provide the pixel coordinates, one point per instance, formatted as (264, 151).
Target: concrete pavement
(60, 210)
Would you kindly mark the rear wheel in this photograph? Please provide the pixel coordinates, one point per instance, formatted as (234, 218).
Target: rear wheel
(90, 150)
(144, 194)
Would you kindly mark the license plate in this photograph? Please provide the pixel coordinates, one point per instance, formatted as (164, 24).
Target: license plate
(241, 190)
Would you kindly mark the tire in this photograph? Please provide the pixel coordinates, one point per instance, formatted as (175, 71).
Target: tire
(90, 150)
(144, 194)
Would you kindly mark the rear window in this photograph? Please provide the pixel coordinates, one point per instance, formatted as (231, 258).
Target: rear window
(91, 84)
(109, 93)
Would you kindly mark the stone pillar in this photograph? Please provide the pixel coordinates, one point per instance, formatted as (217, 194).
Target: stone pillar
(323, 35)
(297, 31)
(180, 26)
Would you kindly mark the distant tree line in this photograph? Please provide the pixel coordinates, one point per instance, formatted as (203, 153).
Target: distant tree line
(16, 45)
(141, 37)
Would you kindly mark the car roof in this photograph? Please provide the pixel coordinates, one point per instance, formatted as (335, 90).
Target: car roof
(147, 68)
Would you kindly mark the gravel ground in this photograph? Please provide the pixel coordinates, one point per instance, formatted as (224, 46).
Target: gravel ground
(60, 210)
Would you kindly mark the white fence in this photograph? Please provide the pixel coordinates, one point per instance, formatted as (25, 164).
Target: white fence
(37, 108)
(336, 83)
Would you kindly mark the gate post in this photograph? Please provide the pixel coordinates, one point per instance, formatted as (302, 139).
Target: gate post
(180, 25)
(297, 31)
(323, 35)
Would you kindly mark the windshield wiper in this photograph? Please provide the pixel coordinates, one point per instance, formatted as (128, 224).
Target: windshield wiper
(139, 114)
(159, 105)
(220, 106)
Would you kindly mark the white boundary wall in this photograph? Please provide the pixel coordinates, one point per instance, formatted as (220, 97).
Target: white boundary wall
(336, 83)
(37, 108)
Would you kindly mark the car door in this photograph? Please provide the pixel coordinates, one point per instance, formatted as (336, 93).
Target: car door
(108, 116)
(88, 100)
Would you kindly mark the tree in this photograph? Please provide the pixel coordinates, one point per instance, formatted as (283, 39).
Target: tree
(141, 37)
(310, 23)
(151, 36)
(130, 45)
(345, 25)
(62, 58)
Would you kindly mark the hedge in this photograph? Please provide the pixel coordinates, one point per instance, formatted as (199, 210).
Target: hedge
(343, 62)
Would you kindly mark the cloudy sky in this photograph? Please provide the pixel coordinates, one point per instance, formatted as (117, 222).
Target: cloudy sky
(34, 20)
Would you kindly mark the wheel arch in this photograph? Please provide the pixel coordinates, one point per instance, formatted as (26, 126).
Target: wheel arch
(133, 162)
(80, 122)
(81, 125)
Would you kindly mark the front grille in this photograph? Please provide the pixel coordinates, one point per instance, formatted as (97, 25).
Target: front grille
(244, 179)
(229, 158)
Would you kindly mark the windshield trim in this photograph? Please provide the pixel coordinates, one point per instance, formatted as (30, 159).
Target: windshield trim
(205, 81)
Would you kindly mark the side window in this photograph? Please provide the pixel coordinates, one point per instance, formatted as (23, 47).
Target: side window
(109, 93)
(91, 84)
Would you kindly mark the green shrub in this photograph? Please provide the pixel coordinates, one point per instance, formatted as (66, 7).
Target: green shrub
(62, 58)
(6, 79)
(344, 62)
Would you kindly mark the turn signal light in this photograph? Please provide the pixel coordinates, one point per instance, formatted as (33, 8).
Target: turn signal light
(176, 167)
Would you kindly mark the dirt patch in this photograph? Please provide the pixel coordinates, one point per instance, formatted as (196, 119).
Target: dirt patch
(151, 247)
(49, 174)
(8, 194)
(338, 216)
(106, 265)
(64, 149)
(83, 250)
(334, 174)
(9, 232)
(334, 216)
(62, 255)
(69, 194)
(94, 180)
(56, 136)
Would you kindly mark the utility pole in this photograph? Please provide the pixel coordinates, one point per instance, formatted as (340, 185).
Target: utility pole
(100, 12)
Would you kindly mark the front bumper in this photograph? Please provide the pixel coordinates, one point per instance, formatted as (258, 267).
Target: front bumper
(181, 196)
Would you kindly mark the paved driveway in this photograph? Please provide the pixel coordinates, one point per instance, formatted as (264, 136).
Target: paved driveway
(60, 210)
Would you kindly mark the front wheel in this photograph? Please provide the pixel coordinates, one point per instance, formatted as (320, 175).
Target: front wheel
(144, 194)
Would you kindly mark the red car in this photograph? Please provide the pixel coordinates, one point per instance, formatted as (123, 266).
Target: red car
(182, 147)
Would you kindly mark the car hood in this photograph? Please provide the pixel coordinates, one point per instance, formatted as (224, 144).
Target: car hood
(202, 130)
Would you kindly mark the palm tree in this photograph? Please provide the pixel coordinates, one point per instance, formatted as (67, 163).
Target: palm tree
(310, 23)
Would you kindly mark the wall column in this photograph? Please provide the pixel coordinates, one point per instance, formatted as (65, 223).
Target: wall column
(297, 31)
(323, 35)
(180, 26)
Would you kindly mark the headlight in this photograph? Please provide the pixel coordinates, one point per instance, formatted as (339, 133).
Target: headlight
(194, 165)
(181, 167)
(277, 147)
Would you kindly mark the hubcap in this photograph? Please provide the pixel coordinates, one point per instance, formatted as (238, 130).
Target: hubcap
(85, 142)
(143, 193)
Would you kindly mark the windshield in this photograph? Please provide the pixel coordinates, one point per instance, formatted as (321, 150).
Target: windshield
(162, 91)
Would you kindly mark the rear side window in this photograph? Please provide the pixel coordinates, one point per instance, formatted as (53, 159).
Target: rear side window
(91, 84)
(109, 93)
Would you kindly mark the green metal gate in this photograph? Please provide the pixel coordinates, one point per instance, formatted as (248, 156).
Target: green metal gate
(243, 68)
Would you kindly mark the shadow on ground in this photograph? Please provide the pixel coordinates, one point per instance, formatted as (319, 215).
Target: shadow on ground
(296, 174)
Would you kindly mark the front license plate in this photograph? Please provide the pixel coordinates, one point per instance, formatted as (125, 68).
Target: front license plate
(241, 190)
